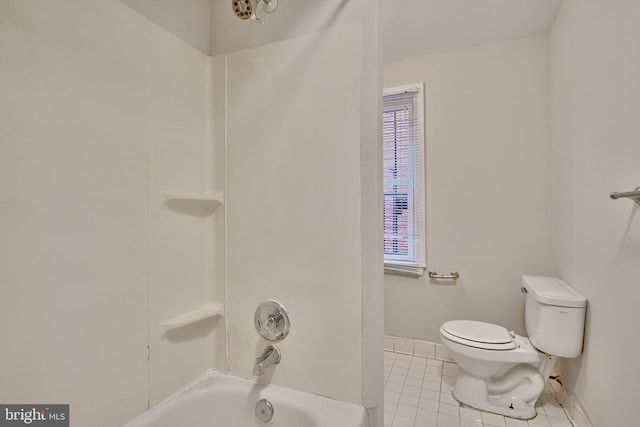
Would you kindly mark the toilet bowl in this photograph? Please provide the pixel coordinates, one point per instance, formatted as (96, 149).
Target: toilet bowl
(504, 373)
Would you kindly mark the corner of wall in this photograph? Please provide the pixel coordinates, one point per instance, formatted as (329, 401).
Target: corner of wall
(573, 408)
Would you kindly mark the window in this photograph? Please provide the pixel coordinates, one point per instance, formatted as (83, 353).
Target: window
(403, 169)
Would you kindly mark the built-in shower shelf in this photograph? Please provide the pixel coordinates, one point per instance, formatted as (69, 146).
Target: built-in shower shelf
(197, 315)
(212, 200)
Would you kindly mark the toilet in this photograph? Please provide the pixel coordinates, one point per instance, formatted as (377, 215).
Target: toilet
(504, 373)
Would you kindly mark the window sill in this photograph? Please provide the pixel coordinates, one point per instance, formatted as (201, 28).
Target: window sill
(404, 270)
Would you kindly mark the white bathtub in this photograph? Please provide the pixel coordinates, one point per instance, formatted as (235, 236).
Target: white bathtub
(219, 400)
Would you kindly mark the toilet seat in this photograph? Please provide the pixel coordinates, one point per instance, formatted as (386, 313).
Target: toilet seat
(482, 335)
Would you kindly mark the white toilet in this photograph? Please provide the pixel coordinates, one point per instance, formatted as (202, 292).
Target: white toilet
(504, 373)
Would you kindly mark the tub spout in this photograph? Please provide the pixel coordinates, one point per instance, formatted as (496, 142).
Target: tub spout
(271, 356)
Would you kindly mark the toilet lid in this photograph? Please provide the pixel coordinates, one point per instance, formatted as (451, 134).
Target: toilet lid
(479, 334)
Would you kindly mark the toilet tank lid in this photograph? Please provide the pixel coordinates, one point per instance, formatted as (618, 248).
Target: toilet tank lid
(552, 291)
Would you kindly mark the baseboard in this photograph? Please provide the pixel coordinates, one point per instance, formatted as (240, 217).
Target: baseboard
(432, 350)
(416, 348)
(573, 409)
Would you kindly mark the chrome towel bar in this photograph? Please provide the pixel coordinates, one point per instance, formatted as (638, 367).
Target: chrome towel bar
(453, 275)
(635, 195)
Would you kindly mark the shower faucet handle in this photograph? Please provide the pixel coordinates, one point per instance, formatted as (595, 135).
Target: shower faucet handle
(271, 320)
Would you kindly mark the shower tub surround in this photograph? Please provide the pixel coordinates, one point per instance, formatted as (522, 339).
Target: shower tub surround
(218, 399)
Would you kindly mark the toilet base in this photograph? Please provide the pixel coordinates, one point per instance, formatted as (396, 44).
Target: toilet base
(473, 392)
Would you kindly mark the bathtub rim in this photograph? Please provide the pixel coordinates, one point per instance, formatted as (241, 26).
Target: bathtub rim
(213, 378)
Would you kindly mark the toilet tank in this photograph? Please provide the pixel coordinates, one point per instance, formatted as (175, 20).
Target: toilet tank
(554, 316)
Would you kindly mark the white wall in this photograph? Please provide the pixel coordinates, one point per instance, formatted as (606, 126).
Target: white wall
(487, 205)
(101, 111)
(293, 207)
(595, 135)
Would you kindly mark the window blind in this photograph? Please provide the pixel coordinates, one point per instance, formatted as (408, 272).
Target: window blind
(403, 145)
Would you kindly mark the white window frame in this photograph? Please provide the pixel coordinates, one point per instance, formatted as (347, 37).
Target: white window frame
(417, 227)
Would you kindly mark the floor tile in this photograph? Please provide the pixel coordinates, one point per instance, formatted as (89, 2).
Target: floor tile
(402, 363)
(388, 418)
(493, 419)
(397, 370)
(392, 386)
(431, 385)
(511, 422)
(416, 373)
(390, 406)
(432, 377)
(560, 422)
(554, 411)
(407, 411)
(446, 408)
(445, 387)
(540, 420)
(415, 382)
(400, 421)
(391, 395)
(434, 369)
(448, 398)
(445, 420)
(428, 404)
(430, 394)
(470, 414)
(407, 399)
(411, 390)
(424, 415)
(419, 360)
(395, 378)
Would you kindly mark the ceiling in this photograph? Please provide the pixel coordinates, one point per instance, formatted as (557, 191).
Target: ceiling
(419, 27)
(409, 27)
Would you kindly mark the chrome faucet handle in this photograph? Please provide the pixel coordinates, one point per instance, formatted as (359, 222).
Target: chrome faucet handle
(272, 320)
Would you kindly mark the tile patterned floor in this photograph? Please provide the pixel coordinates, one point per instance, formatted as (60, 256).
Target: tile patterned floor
(417, 393)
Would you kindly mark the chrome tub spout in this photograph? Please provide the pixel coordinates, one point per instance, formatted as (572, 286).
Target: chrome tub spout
(271, 356)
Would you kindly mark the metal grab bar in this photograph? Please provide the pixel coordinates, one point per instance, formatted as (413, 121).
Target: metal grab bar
(635, 195)
(434, 275)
